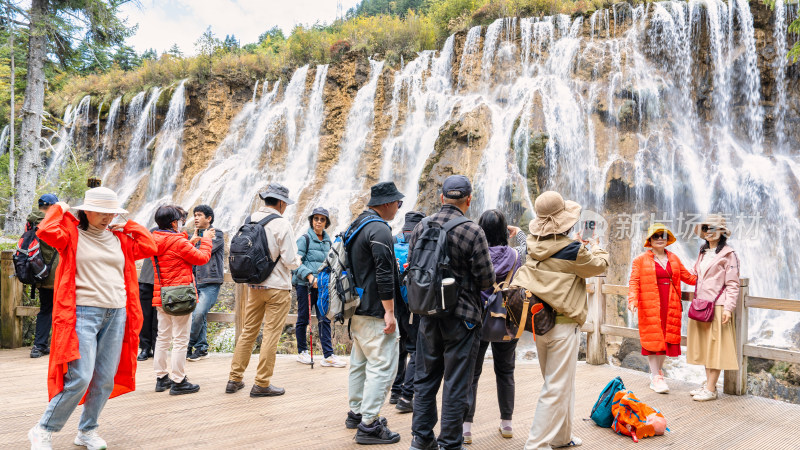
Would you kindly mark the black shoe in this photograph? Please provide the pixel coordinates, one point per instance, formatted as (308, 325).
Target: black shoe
(37, 352)
(184, 387)
(352, 420)
(376, 433)
(269, 391)
(198, 355)
(393, 398)
(404, 406)
(163, 383)
(143, 355)
(417, 444)
(233, 386)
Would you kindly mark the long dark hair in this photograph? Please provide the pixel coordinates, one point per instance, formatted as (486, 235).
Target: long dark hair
(83, 220)
(720, 245)
(495, 227)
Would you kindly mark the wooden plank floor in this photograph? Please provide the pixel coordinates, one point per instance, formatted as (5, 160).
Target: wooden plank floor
(311, 414)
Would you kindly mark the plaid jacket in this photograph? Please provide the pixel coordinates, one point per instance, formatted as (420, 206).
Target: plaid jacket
(470, 262)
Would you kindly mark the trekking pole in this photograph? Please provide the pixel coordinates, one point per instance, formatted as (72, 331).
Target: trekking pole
(310, 329)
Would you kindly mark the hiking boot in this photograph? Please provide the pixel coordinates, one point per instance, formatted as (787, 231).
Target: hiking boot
(417, 444)
(575, 442)
(333, 361)
(163, 383)
(658, 384)
(393, 398)
(40, 438)
(91, 440)
(198, 355)
(269, 391)
(376, 433)
(36, 352)
(404, 406)
(143, 355)
(304, 358)
(352, 420)
(233, 386)
(184, 387)
(705, 396)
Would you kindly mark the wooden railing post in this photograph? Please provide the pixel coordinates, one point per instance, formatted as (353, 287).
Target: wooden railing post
(735, 382)
(10, 298)
(595, 341)
(239, 302)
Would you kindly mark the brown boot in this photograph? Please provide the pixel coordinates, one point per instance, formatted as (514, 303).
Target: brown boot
(269, 391)
(233, 386)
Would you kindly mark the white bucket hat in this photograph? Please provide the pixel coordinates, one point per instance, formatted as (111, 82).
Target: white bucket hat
(102, 200)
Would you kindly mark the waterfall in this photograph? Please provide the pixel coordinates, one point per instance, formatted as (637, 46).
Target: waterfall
(4, 139)
(471, 46)
(755, 113)
(74, 119)
(108, 133)
(255, 91)
(143, 132)
(232, 179)
(344, 182)
(779, 111)
(167, 158)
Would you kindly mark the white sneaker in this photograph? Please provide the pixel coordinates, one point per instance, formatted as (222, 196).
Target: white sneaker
(40, 439)
(91, 440)
(333, 361)
(697, 390)
(705, 396)
(304, 358)
(658, 384)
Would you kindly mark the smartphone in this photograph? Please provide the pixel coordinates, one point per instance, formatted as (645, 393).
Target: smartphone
(588, 230)
(200, 231)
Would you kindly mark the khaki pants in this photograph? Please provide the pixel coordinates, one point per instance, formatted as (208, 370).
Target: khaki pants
(373, 366)
(558, 359)
(172, 330)
(271, 307)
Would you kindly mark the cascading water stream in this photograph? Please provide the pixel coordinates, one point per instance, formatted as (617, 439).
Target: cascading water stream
(108, 133)
(167, 158)
(779, 111)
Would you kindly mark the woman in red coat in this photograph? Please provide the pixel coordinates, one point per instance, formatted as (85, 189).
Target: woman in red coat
(172, 264)
(655, 292)
(96, 312)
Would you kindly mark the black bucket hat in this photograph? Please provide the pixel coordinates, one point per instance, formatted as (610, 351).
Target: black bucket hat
(321, 212)
(411, 220)
(383, 193)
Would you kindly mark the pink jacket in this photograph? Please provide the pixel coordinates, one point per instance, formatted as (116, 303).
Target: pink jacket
(723, 273)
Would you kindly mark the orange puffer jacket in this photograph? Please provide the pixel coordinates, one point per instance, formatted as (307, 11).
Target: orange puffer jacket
(643, 294)
(176, 256)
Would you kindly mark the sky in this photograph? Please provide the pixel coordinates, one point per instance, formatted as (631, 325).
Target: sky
(166, 22)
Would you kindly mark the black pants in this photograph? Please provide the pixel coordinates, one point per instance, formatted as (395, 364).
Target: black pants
(149, 333)
(503, 355)
(44, 319)
(404, 382)
(446, 349)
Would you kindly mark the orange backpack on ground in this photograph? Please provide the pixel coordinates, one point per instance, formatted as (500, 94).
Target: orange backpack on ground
(635, 418)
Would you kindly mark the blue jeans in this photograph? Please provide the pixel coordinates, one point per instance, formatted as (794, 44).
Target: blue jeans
(100, 332)
(303, 317)
(208, 298)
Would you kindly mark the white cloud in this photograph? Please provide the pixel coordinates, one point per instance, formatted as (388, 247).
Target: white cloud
(163, 23)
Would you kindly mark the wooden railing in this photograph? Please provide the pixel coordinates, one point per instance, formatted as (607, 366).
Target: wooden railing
(12, 311)
(735, 382)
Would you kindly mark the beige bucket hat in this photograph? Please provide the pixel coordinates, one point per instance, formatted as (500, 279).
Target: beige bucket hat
(715, 221)
(554, 215)
(101, 200)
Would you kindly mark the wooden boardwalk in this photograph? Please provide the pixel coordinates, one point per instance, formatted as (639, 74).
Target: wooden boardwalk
(311, 414)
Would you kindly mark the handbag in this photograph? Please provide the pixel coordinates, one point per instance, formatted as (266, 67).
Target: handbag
(527, 312)
(495, 324)
(176, 300)
(703, 310)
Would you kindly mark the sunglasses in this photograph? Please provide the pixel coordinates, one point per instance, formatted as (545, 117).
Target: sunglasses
(660, 237)
(320, 219)
(399, 203)
(708, 228)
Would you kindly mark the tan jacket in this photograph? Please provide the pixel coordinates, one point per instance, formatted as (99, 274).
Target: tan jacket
(555, 271)
(280, 239)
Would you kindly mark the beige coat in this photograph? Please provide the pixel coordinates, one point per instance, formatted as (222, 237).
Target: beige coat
(555, 271)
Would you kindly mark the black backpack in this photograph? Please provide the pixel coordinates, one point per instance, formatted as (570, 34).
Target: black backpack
(428, 265)
(29, 265)
(250, 261)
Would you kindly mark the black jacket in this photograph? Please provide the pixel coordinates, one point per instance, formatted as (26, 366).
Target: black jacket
(212, 271)
(371, 256)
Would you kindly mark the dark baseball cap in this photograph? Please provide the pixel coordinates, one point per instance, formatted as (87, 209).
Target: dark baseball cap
(48, 199)
(456, 186)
